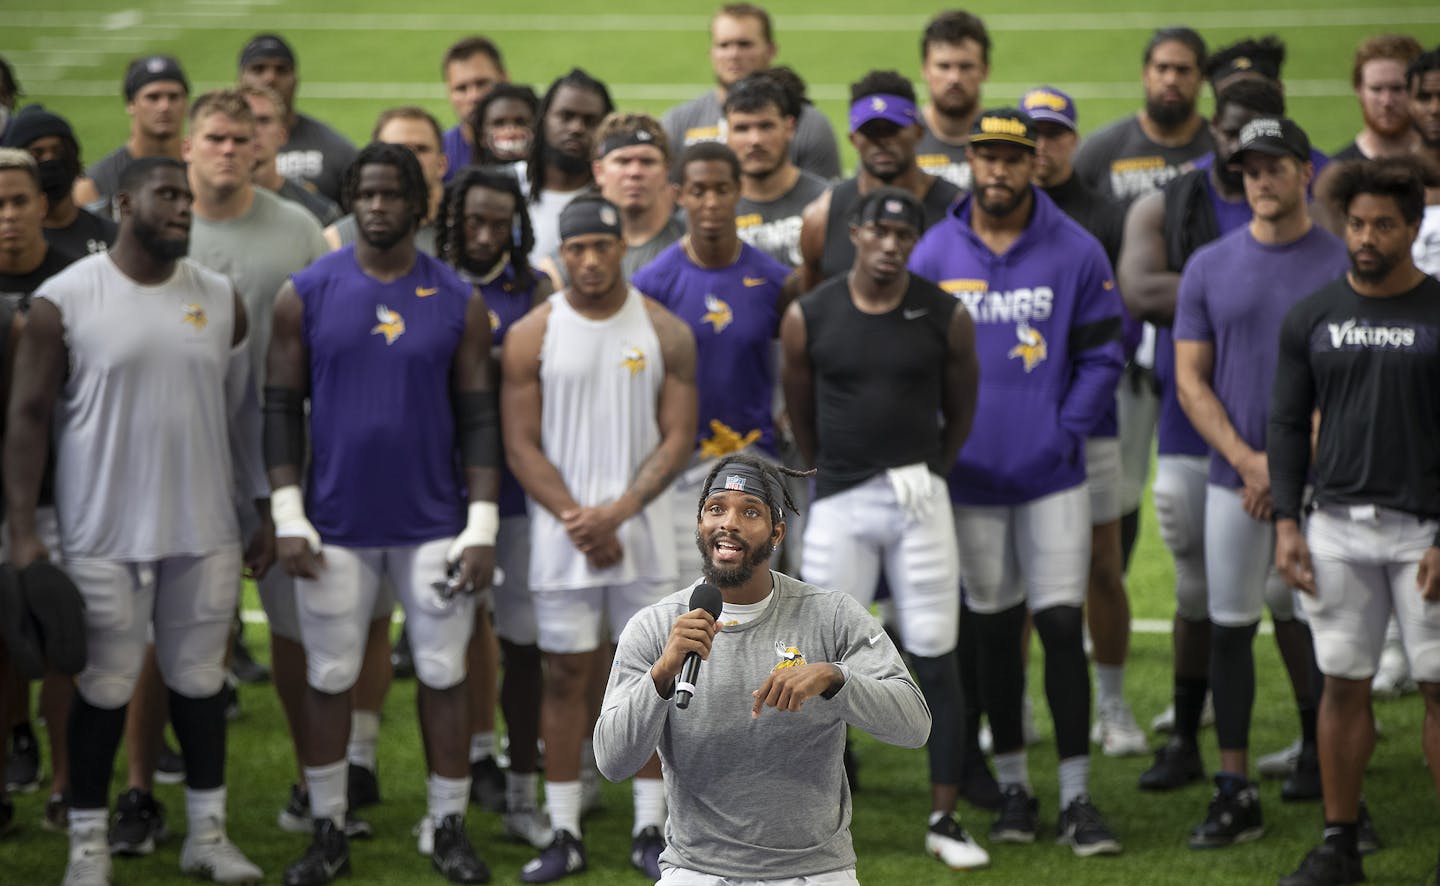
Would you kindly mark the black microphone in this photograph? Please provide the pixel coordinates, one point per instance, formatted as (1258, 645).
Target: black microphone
(707, 597)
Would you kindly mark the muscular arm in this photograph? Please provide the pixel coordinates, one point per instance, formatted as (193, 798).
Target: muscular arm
(962, 385)
(473, 373)
(813, 222)
(798, 379)
(676, 414)
(1292, 404)
(1194, 365)
(287, 365)
(1147, 284)
(520, 401)
(39, 363)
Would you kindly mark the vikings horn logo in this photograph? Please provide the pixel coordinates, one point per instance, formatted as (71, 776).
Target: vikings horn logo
(634, 360)
(1031, 349)
(790, 657)
(195, 316)
(717, 313)
(391, 324)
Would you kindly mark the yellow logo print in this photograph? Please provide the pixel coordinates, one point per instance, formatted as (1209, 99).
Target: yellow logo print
(725, 440)
(877, 103)
(494, 321)
(195, 316)
(717, 313)
(1031, 349)
(753, 281)
(391, 324)
(1002, 126)
(425, 292)
(959, 285)
(1043, 98)
(634, 360)
(790, 657)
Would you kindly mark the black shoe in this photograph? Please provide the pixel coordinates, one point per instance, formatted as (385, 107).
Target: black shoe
(7, 816)
(1326, 865)
(362, 788)
(56, 817)
(138, 823)
(1084, 830)
(487, 785)
(1231, 818)
(564, 856)
(453, 855)
(402, 663)
(244, 666)
(169, 765)
(1303, 783)
(1367, 839)
(327, 858)
(1019, 813)
(1176, 764)
(645, 851)
(852, 768)
(22, 763)
(979, 787)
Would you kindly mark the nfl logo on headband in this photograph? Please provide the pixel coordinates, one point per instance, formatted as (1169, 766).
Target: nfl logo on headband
(735, 481)
(607, 216)
(894, 207)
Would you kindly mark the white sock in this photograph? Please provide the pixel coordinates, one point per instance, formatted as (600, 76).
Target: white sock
(87, 827)
(563, 799)
(1013, 769)
(1074, 779)
(649, 804)
(1109, 683)
(446, 796)
(205, 811)
(482, 746)
(364, 735)
(327, 791)
(522, 791)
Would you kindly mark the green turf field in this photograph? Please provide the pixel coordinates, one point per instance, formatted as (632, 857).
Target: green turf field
(359, 57)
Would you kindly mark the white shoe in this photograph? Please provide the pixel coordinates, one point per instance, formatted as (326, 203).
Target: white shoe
(213, 856)
(424, 833)
(947, 841)
(89, 860)
(530, 826)
(1281, 763)
(1392, 677)
(1116, 731)
(1165, 720)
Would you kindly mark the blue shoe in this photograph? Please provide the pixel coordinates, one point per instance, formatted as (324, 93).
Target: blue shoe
(564, 856)
(645, 852)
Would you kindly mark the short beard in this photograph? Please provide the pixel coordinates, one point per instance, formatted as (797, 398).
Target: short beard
(732, 576)
(886, 177)
(1229, 177)
(957, 112)
(475, 268)
(1000, 210)
(387, 242)
(565, 163)
(1168, 116)
(160, 248)
(1382, 270)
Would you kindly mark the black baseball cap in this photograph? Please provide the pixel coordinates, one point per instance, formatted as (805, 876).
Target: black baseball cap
(150, 69)
(1010, 126)
(34, 123)
(263, 46)
(1278, 136)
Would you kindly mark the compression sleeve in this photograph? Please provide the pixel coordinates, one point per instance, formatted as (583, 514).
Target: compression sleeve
(1292, 401)
(284, 426)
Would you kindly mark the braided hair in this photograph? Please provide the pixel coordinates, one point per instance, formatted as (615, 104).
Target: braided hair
(450, 221)
(412, 178)
(774, 482)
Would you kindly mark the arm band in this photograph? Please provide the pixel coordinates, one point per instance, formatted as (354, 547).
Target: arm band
(477, 424)
(284, 427)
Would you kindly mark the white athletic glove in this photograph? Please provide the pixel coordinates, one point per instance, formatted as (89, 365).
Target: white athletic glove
(287, 509)
(917, 489)
(481, 526)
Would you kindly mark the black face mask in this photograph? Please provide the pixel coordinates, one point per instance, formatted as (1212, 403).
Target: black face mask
(55, 179)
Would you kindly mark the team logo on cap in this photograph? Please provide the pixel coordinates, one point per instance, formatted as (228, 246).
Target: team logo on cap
(790, 656)
(155, 65)
(633, 359)
(195, 316)
(735, 482)
(717, 313)
(391, 324)
(1031, 349)
(878, 104)
(894, 207)
(643, 135)
(608, 217)
(1243, 63)
(1003, 126)
(1044, 98)
(1261, 127)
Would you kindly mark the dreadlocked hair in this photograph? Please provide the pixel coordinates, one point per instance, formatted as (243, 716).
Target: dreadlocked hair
(450, 220)
(774, 480)
(578, 79)
(412, 179)
(480, 154)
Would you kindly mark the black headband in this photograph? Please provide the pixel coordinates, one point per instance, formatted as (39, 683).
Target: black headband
(737, 476)
(627, 138)
(589, 215)
(892, 205)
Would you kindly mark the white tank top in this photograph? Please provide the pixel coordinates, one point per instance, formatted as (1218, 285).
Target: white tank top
(600, 388)
(142, 454)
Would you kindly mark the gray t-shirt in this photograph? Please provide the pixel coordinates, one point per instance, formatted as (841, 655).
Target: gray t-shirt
(791, 817)
(703, 120)
(774, 227)
(317, 154)
(941, 158)
(106, 171)
(1122, 163)
(258, 252)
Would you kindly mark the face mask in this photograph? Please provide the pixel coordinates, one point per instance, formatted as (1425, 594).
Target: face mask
(55, 180)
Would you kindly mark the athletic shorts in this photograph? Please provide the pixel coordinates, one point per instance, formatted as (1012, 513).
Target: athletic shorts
(1137, 408)
(1366, 560)
(855, 534)
(573, 621)
(1179, 490)
(514, 607)
(1240, 574)
(683, 877)
(1102, 479)
(1036, 553)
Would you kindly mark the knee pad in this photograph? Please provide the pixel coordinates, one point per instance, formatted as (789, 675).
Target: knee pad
(1343, 658)
(106, 690)
(437, 670)
(195, 681)
(331, 675)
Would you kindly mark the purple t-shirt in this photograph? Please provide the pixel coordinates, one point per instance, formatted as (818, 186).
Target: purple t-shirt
(507, 303)
(734, 313)
(1234, 293)
(457, 151)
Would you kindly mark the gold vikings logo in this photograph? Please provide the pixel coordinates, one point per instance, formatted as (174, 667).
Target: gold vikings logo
(634, 360)
(725, 440)
(195, 316)
(717, 313)
(1031, 349)
(790, 657)
(494, 321)
(391, 324)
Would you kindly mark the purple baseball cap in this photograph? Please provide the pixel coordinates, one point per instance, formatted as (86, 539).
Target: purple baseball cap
(883, 106)
(1048, 104)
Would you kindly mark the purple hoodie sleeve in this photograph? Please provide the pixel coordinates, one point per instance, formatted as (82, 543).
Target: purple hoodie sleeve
(1096, 350)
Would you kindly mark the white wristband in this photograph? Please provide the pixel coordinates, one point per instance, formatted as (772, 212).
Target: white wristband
(287, 510)
(481, 526)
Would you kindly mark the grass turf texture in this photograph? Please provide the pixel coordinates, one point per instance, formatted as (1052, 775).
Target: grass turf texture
(360, 58)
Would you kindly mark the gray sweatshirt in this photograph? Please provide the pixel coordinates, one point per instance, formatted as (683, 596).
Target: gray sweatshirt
(784, 809)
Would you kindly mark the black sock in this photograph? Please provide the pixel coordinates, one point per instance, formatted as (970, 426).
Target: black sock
(1190, 695)
(1232, 684)
(1129, 533)
(967, 659)
(1067, 677)
(939, 679)
(1002, 674)
(94, 735)
(1307, 727)
(200, 726)
(1343, 835)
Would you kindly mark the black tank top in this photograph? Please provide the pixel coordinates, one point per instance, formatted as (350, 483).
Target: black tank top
(839, 252)
(879, 380)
